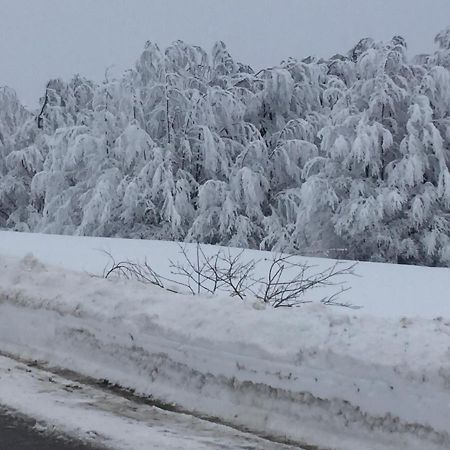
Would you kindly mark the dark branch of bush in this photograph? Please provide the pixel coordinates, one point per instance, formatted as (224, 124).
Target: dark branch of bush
(195, 271)
(332, 300)
(221, 271)
(288, 281)
(129, 270)
(286, 284)
(237, 276)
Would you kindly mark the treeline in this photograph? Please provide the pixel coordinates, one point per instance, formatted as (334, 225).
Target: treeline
(346, 157)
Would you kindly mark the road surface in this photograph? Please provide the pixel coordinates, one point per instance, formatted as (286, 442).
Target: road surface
(101, 418)
(17, 433)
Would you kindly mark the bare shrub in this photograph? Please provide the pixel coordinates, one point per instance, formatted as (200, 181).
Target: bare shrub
(288, 281)
(130, 270)
(221, 271)
(285, 284)
(198, 272)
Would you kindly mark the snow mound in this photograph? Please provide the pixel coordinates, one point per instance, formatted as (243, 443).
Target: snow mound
(325, 376)
(384, 290)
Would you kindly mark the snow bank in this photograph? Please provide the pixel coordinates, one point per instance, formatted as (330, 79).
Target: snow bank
(325, 376)
(104, 419)
(384, 290)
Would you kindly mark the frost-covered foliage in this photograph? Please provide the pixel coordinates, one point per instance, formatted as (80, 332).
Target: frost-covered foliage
(344, 157)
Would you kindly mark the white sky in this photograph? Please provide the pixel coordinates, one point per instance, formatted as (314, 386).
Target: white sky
(42, 39)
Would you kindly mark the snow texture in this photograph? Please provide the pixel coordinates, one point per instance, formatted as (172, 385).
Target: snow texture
(345, 157)
(335, 378)
(103, 418)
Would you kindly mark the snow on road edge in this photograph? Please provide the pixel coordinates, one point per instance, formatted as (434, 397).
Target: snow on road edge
(103, 418)
(314, 375)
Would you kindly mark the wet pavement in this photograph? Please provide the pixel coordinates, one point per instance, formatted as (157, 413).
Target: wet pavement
(21, 434)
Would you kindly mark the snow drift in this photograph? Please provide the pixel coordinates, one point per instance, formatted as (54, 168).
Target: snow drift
(325, 376)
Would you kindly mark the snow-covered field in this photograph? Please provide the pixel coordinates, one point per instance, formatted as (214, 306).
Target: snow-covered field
(373, 378)
(384, 290)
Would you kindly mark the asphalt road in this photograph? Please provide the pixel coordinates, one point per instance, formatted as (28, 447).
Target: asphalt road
(18, 434)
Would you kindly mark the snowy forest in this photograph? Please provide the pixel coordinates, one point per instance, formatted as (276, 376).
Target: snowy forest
(345, 157)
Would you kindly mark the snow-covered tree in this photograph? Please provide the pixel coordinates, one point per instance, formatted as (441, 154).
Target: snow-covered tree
(346, 157)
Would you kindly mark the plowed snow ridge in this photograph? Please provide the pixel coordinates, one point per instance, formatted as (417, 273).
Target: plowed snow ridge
(330, 377)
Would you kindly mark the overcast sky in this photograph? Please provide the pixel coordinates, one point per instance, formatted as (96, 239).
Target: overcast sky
(42, 39)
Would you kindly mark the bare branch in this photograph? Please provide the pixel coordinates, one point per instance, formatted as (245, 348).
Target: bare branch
(283, 289)
(286, 283)
(134, 271)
